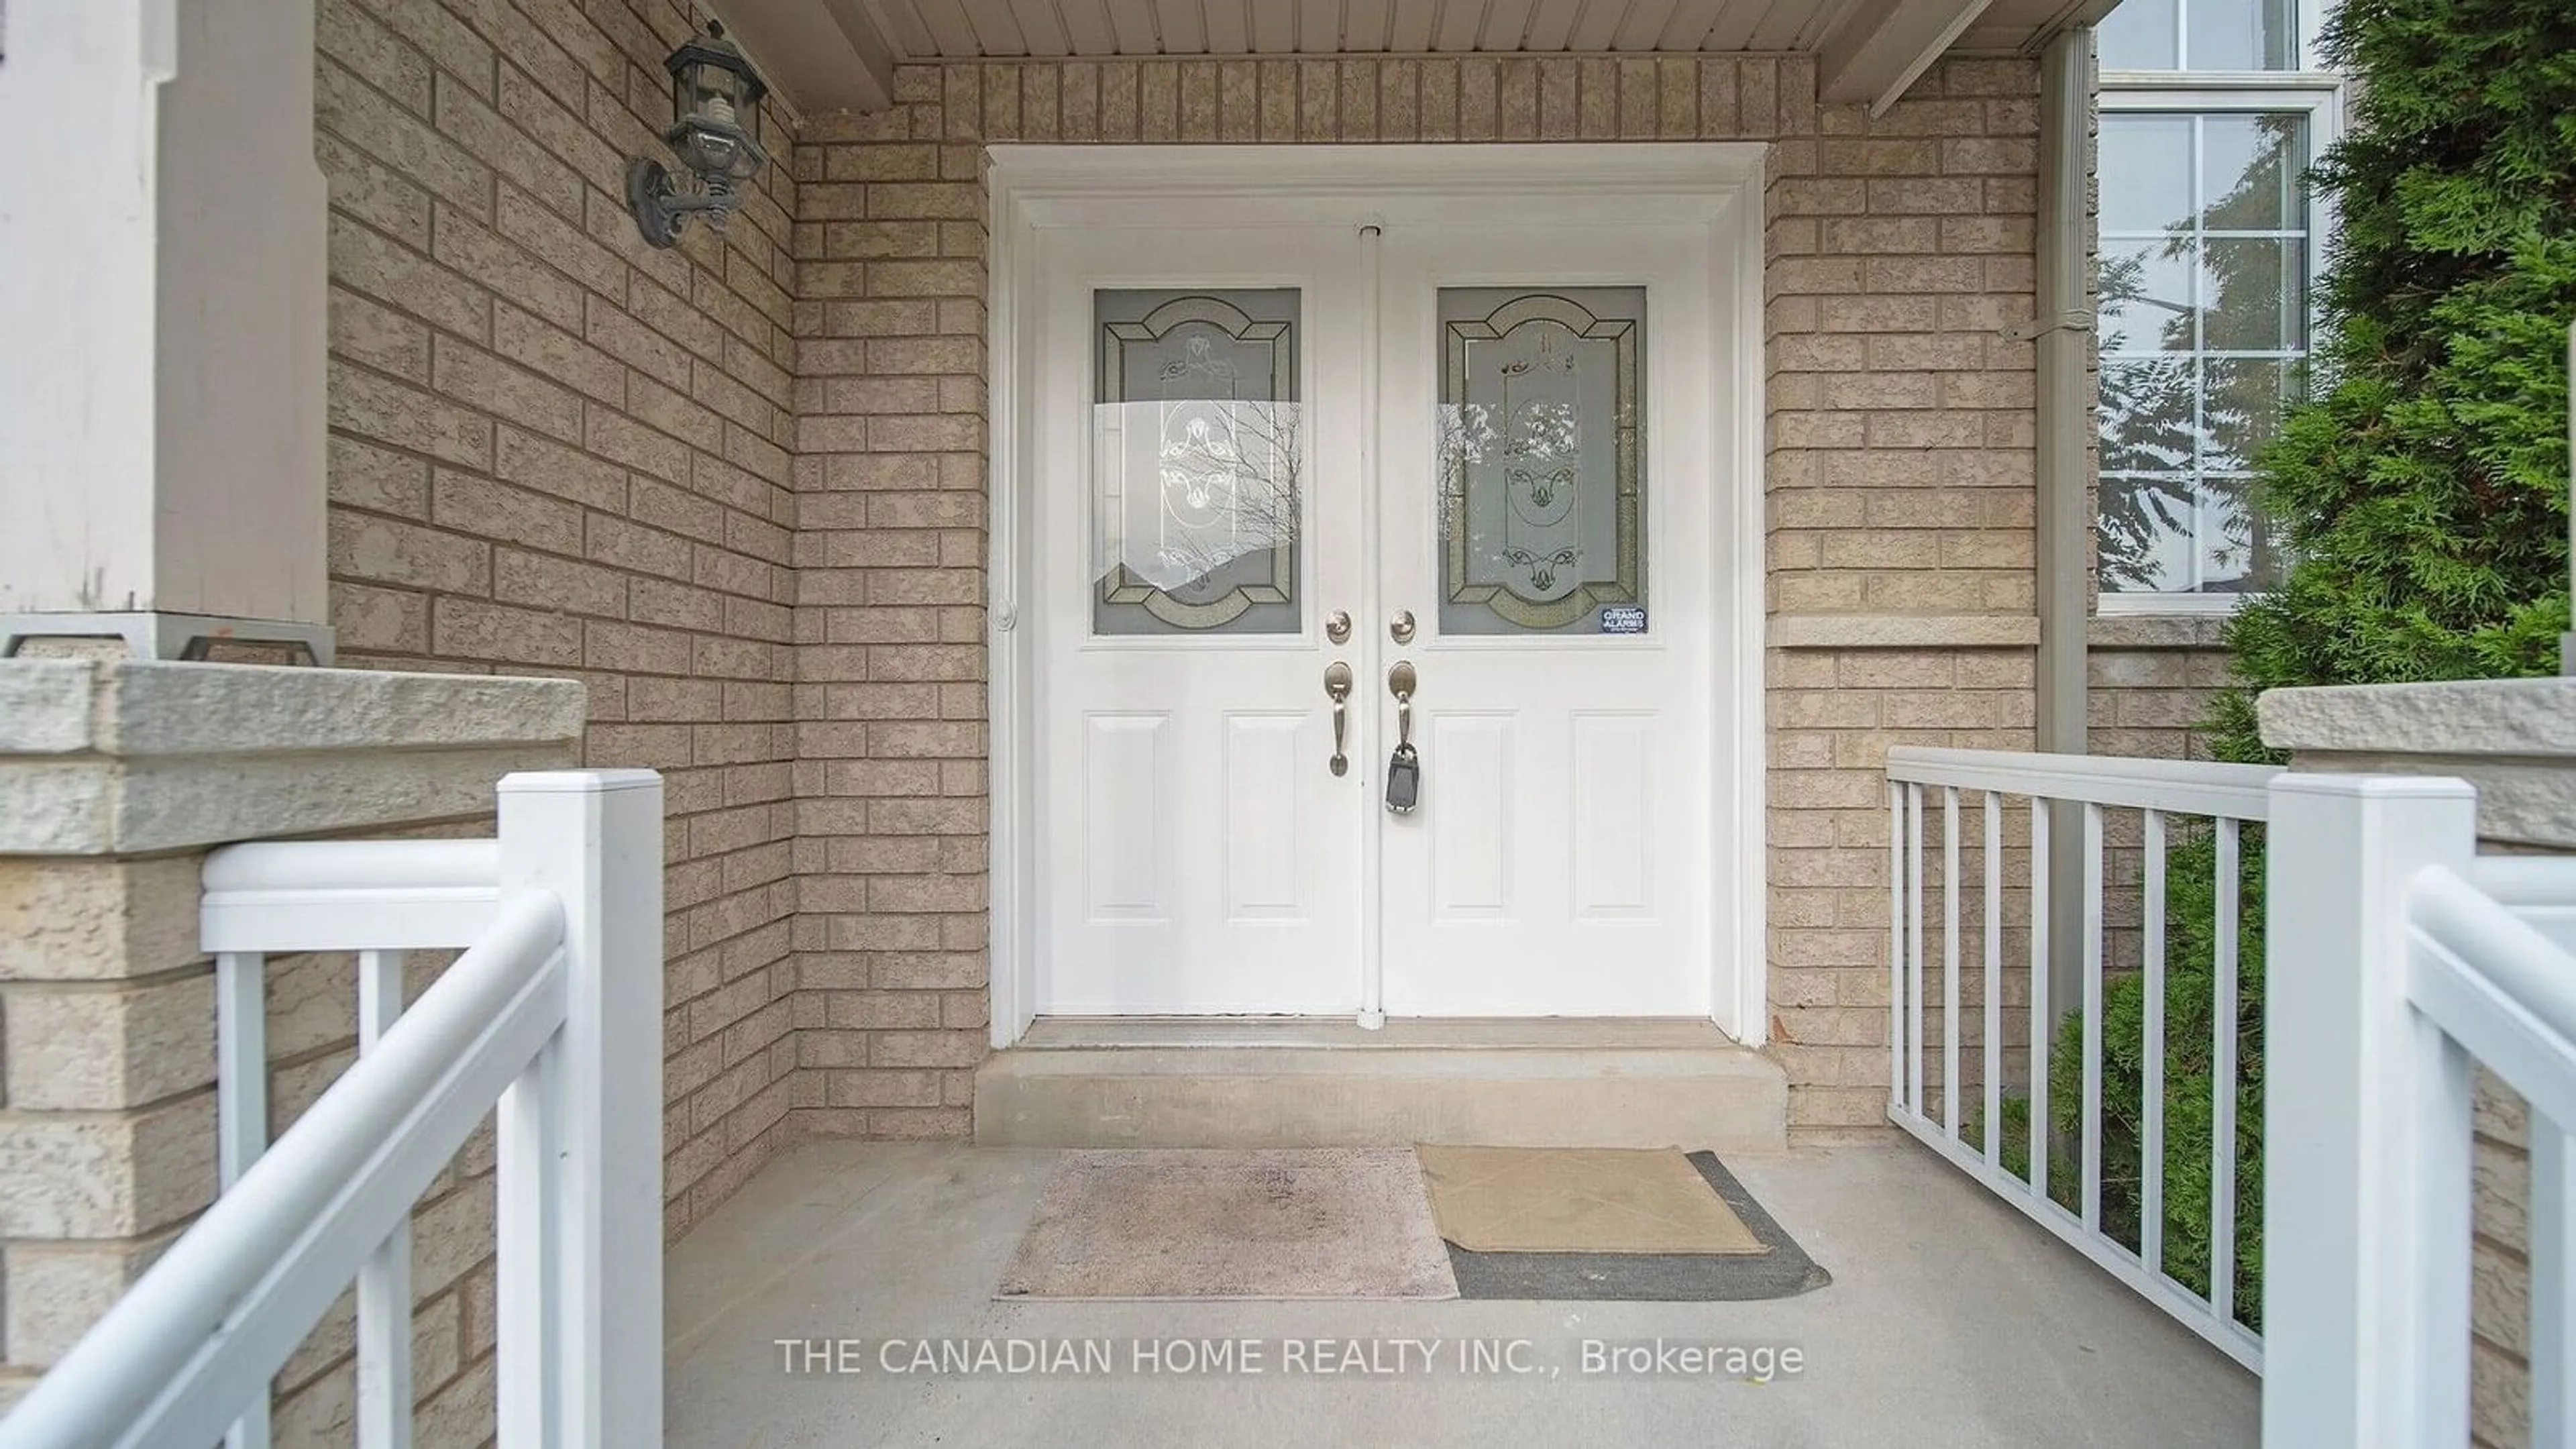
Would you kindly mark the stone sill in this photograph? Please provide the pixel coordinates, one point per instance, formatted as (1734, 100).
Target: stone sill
(124, 757)
(2156, 631)
(1903, 631)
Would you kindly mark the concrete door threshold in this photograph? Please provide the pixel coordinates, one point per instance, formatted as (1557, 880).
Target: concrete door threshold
(1323, 1082)
(1476, 1033)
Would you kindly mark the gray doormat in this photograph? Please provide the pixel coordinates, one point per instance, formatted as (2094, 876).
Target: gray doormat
(1348, 1222)
(1781, 1270)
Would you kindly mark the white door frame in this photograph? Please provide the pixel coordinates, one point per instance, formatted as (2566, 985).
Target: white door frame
(1032, 184)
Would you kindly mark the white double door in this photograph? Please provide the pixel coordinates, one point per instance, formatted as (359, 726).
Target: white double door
(1484, 448)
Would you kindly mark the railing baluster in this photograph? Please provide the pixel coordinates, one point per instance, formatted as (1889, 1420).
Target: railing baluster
(2067, 1184)
(2092, 1184)
(384, 1282)
(1994, 975)
(2151, 1092)
(241, 1109)
(2553, 1286)
(1896, 945)
(2040, 1023)
(1914, 945)
(2222, 1083)
(1950, 962)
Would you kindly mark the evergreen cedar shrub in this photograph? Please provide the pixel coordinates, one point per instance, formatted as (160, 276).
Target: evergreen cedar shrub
(2421, 493)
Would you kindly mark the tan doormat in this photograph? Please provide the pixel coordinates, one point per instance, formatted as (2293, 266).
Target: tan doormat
(1207, 1223)
(1578, 1200)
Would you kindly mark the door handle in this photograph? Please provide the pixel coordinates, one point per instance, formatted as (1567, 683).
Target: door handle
(1337, 688)
(1404, 767)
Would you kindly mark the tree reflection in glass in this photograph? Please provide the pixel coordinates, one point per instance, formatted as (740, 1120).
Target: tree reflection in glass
(2202, 326)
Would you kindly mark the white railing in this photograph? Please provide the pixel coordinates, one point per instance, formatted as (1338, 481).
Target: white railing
(553, 1015)
(2059, 791)
(2398, 958)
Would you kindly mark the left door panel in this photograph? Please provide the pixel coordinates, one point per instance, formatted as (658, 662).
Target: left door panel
(1198, 506)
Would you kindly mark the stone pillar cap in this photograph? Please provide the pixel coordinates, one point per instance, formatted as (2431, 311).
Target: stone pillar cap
(123, 757)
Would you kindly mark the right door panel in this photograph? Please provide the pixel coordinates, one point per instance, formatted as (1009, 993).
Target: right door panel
(1545, 513)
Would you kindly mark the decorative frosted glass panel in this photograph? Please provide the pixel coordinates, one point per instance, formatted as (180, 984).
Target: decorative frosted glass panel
(1197, 447)
(1542, 460)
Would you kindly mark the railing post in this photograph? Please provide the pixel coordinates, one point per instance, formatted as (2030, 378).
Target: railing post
(580, 1223)
(2365, 1123)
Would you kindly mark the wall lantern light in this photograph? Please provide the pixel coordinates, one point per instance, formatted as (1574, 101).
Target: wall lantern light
(715, 100)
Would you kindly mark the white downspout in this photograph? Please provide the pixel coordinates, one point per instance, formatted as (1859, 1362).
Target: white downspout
(2062, 341)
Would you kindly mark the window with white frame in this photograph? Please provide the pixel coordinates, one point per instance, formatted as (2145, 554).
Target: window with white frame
(2209, 248)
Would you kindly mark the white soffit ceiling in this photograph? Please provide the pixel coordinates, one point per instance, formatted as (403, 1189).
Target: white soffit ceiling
(834, 54)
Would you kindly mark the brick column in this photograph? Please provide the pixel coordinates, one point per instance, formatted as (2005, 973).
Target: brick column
(115, 779)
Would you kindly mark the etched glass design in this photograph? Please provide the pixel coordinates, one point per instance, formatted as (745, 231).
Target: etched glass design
(1196, 451)
(1542, 460)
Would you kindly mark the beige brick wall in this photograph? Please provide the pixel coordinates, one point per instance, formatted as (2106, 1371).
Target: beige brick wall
(107, 1105)
(890, 774)
(2150, 681)
(555, 450)
(2500, 1268)
(1900, 482)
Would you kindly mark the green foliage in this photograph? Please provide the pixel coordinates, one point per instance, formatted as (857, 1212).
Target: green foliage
(2191, 996)
(2422, 491)
(2191, 913)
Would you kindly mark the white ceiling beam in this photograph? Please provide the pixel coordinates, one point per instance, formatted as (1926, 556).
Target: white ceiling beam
(822, 55)
(1884, 45)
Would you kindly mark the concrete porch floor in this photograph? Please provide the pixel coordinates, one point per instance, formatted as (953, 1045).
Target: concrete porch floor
(1950, 1321)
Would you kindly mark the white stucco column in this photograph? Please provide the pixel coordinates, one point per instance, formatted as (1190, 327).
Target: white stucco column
(161, 392)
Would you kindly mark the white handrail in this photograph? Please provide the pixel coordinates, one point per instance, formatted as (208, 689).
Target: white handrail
(224, 1308)
(299, 866)
(349, 895)
(2540, 889)
(2183, 787)
(2469, 934)
(2527, 880)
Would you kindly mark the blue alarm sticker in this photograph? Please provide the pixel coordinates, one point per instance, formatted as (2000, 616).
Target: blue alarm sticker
(1623, 619)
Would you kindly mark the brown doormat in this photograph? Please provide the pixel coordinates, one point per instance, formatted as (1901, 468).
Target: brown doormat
(1204, 1223)
(1578, 1200)
(1781, 1270)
